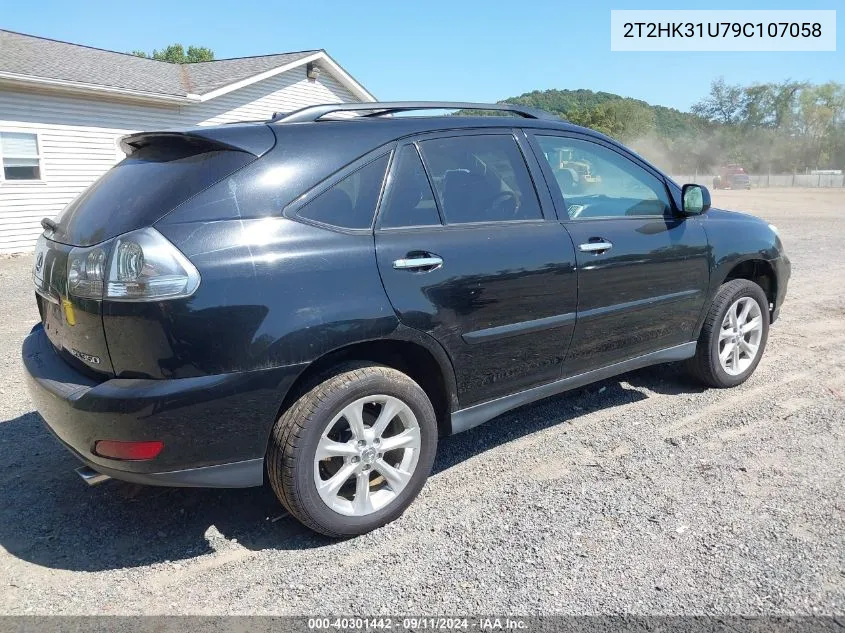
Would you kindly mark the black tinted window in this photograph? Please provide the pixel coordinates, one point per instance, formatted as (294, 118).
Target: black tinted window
(481, 179)
(144, 187)
(408, 200)
(350, 203)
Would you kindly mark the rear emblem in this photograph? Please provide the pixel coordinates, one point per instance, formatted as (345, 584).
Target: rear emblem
(88, 358)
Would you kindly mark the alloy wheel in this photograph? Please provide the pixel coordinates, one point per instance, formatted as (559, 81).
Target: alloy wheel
(366, 455)
(740, 336)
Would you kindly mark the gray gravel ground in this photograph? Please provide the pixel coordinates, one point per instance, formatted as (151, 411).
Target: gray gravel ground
(640, 495)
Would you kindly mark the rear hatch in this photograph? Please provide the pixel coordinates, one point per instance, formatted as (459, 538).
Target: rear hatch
(160, 172)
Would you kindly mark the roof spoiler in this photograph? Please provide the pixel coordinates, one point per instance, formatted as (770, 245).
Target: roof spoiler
(255, 139)
(375, 109)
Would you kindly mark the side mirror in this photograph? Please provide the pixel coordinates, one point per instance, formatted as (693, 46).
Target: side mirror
(696, 199)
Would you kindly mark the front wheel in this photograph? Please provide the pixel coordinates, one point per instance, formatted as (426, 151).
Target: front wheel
(354, 451)
(733, 336)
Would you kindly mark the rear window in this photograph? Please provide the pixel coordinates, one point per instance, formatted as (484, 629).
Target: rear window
(144, 187)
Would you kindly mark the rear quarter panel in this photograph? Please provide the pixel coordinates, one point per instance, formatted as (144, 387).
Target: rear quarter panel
(274, 292)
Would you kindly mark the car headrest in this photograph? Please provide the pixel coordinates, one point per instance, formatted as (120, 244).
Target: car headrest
(464, 195)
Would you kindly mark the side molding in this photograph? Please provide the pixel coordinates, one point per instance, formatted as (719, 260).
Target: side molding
(470, 417)
(515, 329)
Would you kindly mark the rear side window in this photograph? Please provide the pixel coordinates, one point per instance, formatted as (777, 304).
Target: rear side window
(351, 202)
(481, 179)
(409, 200)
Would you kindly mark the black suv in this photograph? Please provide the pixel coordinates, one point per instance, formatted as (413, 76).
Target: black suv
(315, 299)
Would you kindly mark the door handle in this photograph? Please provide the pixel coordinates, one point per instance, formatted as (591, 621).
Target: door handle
(429, 262)
(597, 247)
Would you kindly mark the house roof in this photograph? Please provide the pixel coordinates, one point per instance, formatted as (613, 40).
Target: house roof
(40, 60)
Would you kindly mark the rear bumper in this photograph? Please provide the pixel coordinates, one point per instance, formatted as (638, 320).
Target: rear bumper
(214, 428)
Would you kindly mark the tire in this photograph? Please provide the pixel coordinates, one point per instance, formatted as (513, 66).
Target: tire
(293, 469)
(714, 339)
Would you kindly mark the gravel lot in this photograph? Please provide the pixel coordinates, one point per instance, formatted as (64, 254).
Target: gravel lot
(644, 494)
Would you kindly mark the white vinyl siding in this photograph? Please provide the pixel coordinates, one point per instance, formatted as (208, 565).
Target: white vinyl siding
(77, 138)
(282, 93)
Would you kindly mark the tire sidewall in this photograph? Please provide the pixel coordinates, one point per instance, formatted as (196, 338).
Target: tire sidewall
(375, 383)
(756, 293)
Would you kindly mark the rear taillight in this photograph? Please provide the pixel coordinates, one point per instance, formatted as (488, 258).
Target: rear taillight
(86, 269)
(114, 449)
(146, 267)
(138, 266)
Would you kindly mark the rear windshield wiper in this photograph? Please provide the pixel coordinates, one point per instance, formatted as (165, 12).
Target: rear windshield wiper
(49, 224)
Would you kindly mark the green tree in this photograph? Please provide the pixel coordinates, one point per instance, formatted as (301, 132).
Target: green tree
(822, 110)
(175, 54)
(623, 119)
(758, 109)
(785, 103)
(725, 103)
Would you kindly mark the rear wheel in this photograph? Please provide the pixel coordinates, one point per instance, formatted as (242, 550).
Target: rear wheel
(354, 451)
(733, 336)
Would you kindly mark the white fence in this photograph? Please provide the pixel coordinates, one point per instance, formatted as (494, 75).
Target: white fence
(772, 180)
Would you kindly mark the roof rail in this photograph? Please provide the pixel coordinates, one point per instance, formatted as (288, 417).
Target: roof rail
(315, 112)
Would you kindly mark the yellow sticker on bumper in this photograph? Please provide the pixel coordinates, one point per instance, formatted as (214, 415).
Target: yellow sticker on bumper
(70, 316)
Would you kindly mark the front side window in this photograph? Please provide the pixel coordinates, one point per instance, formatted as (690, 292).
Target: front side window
(20, 156)
(351, 202)
(481, 179)
(597, 182)
(408, 200)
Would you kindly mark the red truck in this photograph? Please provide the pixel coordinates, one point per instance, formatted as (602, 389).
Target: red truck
(731, 177)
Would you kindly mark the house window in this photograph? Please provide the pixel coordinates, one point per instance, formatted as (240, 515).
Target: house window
(19, 153)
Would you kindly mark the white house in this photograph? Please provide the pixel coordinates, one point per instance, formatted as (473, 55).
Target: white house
(63, 106)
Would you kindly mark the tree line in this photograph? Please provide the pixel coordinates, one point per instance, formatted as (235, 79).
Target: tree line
(775, 127)
(176, 54)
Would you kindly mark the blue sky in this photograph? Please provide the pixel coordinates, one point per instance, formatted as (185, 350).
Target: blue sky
(455, 50)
